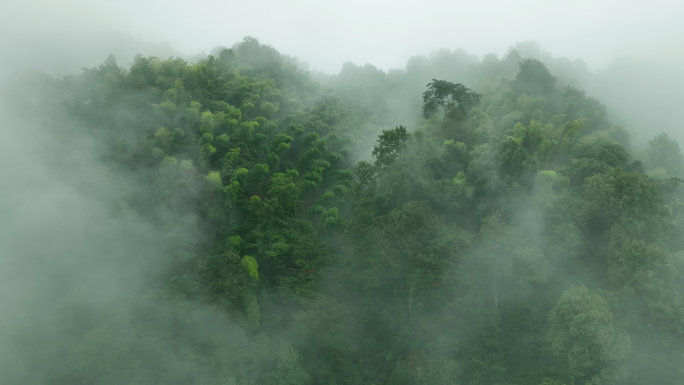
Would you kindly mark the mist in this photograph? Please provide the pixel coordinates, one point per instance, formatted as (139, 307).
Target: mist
(213, 194)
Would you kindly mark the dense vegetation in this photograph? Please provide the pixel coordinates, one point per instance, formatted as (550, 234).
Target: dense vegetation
(458, 222)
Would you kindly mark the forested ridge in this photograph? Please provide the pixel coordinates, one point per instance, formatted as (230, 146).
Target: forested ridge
(461, 221)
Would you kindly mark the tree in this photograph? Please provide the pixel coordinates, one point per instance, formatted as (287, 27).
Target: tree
(449, 97)
(496, 242)
(579, 104)
(583, 336)
(665, 152)
(534, 78)
(512, 158)
(390, 143)
(626, 203)
(290, 371)
(644, 277)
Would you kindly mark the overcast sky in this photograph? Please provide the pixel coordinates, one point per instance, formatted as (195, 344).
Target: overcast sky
(328, 33)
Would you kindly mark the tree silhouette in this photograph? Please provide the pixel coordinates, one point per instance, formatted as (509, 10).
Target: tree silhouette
(449, 97)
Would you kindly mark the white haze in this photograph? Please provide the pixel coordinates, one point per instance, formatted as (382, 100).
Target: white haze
(382, 32)
(55, 217)
(634, 48)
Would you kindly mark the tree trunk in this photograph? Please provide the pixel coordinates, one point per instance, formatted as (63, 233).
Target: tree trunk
(496, 296)
(410, 300)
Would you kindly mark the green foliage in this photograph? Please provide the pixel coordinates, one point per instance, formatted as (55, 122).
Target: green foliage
(206, 154)
(169, 161)
(186, 165)
(164, 138)
(269, 109)
(214, 178)
(628, 201)
(389, 145)
(234, 242)
(512, 158)
(292, 258)
(547, 176)
(583, 335)
(449, 97)
(206, 138)
(534, 78)
(157, 153)
(331, 218)
(207, 122)
(222, 142)
(251, 266)
(252, 308)
(289, 371)
(665, 152)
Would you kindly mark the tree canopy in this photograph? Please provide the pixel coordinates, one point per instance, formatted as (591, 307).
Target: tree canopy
(449, 97)
(518, 240)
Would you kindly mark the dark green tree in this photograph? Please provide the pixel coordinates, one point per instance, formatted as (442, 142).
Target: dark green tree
(390, 143)
(449, 97)
(534, 78)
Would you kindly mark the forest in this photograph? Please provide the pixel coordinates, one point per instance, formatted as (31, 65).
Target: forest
(461, 221)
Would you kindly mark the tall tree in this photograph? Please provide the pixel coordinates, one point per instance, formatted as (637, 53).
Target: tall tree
(583, 335)
(449, 97)
(534, 78)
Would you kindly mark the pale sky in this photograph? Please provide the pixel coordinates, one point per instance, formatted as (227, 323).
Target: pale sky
(328, 33)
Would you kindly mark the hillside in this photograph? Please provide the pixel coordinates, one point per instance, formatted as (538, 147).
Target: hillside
(460, 221)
